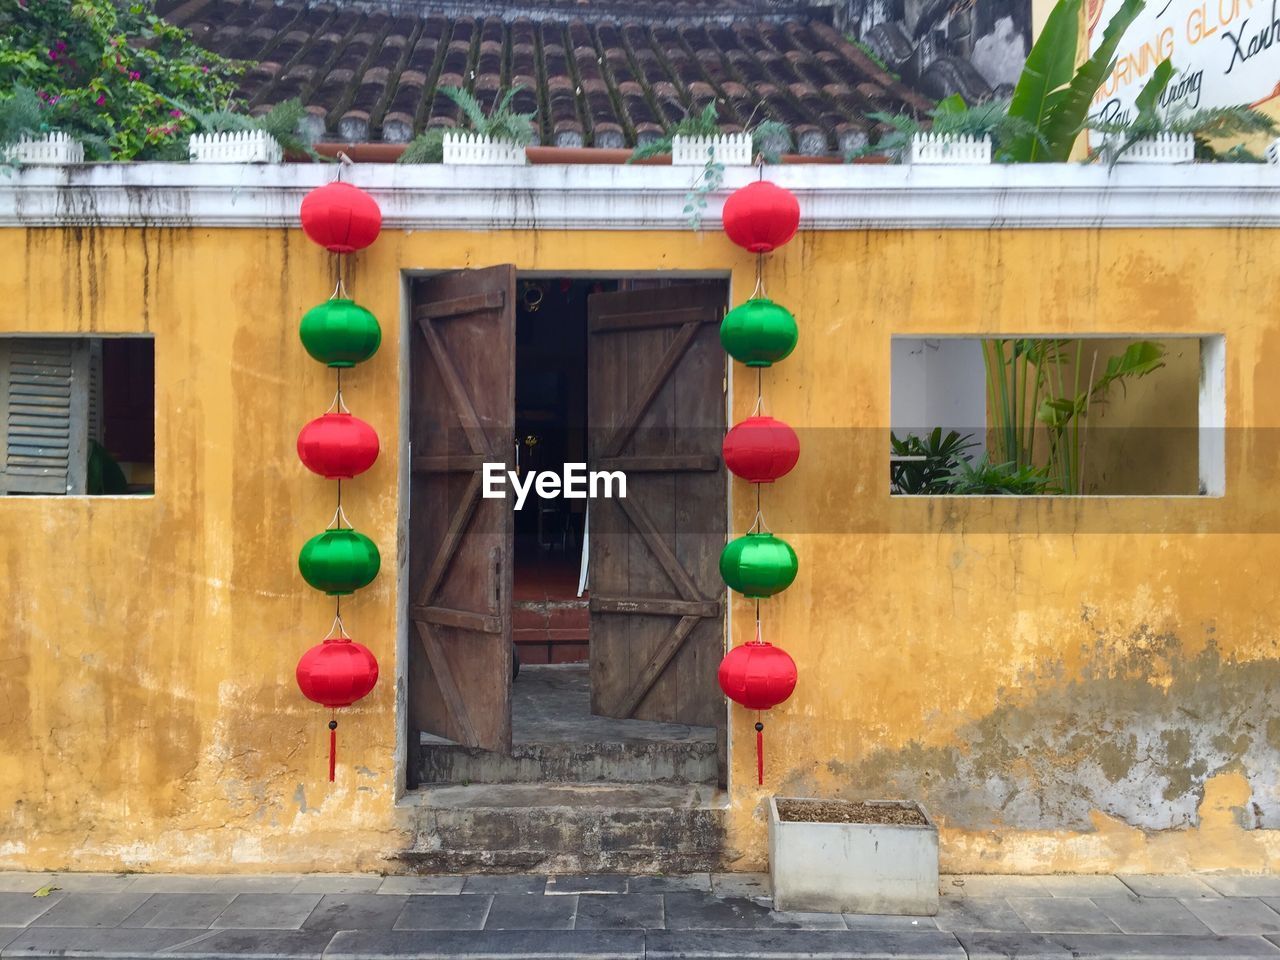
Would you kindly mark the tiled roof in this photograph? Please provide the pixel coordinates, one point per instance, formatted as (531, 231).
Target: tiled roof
(373, 71)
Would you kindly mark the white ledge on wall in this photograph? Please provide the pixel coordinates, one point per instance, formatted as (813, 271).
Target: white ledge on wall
(603, 197)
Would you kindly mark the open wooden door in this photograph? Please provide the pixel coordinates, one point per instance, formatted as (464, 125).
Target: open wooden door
(461, 412)
(656, 411)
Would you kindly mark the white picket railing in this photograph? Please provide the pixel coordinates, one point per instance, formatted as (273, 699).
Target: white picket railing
(949, 148)
(729, 149)
(474, 150)
(242, 146)
(1273, 151)
(1162, 148)
(51, 148)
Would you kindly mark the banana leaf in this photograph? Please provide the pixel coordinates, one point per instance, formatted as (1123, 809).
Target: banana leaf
(1048, 70)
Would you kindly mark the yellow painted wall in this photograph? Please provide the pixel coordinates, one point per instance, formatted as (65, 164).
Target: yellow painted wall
(1035, 671)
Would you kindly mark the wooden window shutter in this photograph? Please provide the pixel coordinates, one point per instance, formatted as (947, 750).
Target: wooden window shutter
(44, 415)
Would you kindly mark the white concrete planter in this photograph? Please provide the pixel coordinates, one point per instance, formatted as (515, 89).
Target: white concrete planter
(730, 150)
(854, 867)
(1162, 148)
(474, 150)
(242, 146)
(51, 148)
(942, 148)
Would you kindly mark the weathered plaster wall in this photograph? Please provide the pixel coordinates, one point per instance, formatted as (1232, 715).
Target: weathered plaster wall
(1066, 684)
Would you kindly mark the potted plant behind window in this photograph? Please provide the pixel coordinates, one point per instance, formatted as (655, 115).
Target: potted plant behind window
(843, 856)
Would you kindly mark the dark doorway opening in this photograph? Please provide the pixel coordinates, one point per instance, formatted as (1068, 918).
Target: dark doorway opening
(550, 616)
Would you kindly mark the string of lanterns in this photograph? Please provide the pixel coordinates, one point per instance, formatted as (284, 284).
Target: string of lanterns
(757, 675)
(339, 560)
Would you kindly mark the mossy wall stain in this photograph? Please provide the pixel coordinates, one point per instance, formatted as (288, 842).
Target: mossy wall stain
(1067, 684)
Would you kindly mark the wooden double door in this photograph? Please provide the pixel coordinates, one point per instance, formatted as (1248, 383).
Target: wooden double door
(656, 411)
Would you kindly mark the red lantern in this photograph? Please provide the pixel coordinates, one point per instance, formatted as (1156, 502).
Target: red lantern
(340, 217)
(337, 445)
(761, 449)
(761, 216)
(758, 676)
(337, 673)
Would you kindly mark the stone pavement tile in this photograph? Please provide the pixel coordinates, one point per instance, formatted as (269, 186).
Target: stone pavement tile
(11, 882)
(520, 912)
(977, 913)
(881, 921)
(1062, 915)
(620, 911)
(701, 911)
(8, 934)
(516, 944)
(754, 885)
(993, 945)
(96, 942)
(1235, 915)
(174, 883)
(422, 885)
(1258, 886)
(1159, 885)
(601, 883)
(19, 909)
(328, 883)
(1157, 915)
(1105, 946)
(283, 883)
(258, 945)
(190, 910)
(505, 884)
(675, 883)
(268, 911)
(787, 944)
(355, 911)
(1084, 885)
(91, 910)
(991, 885)
(93, 882)
(443, 913)
(798, 920)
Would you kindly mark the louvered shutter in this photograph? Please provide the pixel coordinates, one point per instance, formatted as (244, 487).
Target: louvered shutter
(44, 422)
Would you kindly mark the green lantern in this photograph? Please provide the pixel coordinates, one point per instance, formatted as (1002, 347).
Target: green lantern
(339, 561)
(759, 332)
(340, 333)
(758, 565)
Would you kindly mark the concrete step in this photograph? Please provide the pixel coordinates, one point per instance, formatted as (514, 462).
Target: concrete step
(567, 828)
(620, 761)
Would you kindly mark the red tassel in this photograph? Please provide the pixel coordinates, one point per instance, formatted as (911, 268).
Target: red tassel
(333, 748)
(760, 752)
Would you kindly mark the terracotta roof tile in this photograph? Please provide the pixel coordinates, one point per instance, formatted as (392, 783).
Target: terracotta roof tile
(593, 77)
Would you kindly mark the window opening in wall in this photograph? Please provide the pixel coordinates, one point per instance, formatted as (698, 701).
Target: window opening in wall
(77, 415)
(1099, 416)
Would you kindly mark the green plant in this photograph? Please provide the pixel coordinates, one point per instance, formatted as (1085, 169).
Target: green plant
(1205, 126)
(1052, 96)
(952, 117)
(938, 458)
(426, 147)
(1009, 479)
(770, 139)
(1028, 394)
(107, 72)
(281, 122)
(501, 123)
(872, 56)
(704, 123)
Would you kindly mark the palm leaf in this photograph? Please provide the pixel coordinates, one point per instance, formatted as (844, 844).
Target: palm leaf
(1048, 69)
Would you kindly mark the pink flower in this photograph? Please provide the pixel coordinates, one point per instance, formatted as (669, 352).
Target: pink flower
(102, 99)
(204, 69)
(53, 54)
(175, 113)
(134, 75)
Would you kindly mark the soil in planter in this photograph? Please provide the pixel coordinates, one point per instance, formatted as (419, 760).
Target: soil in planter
(848, 811)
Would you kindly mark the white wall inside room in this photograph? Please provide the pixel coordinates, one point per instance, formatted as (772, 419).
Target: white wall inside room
(938, 382)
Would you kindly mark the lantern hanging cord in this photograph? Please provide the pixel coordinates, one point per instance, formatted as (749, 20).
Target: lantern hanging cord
(758, 525)
(759, 290)
(759, 407)
(344, 161)
(339, 520)
(333, 743)
(339, 288)
(337, 402)
(337, 622)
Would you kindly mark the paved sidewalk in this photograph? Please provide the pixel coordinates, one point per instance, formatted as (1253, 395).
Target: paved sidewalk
(714, 916)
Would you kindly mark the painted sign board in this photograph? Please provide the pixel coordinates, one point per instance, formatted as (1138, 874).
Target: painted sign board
(1225, 52)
